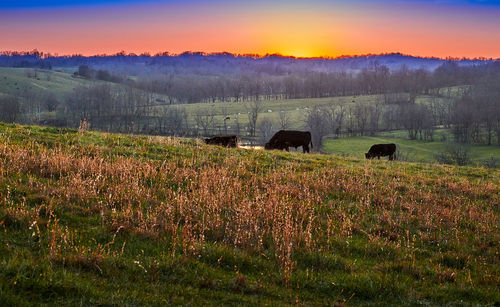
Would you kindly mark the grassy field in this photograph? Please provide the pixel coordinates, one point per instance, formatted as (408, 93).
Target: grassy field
(295, 108)
(419, 151)
(91, 218)
(15, 82)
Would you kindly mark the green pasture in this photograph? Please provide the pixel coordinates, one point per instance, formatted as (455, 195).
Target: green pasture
(418, 151)
(15, 82)
(296, 110)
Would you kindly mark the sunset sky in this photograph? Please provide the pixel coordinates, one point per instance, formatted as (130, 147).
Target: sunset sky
(301, 28)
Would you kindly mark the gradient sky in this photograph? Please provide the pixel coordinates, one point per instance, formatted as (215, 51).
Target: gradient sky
(301, 28)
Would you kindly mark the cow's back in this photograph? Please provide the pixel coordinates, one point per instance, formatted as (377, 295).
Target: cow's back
(292, 137)
(392, 148)
(284, 139)
(384, 149)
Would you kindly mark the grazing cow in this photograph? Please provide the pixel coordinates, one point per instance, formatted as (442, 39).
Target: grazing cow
(379, 150)
(226, 141)
(284, 139)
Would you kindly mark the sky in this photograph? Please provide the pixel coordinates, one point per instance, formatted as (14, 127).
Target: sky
(440, 28)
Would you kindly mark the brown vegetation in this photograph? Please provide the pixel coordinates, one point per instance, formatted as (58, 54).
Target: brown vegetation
(286, 206)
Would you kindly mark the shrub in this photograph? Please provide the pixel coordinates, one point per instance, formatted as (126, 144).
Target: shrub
(404, 154)
(492, 162)
(455, 154)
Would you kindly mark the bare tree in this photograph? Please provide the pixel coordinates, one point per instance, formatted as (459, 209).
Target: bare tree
(237, 126)
(486, 98)
(439, 110)
(285, 120)
(375, 114)
(417, 120)
(31, 103)
(390, 117)
(266, 128)
(10, 109)
(362, 114)
(51, 102)
(175, 120)
(462, 118)
(317, 123)
(253, 107)
(339, 120)
(204, 119)
(334, 114)
(350, 121)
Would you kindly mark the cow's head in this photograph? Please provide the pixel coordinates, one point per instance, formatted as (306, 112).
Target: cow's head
(369, 155)
(268, 146)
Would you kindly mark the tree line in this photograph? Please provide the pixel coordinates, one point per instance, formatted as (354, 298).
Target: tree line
(377, 79)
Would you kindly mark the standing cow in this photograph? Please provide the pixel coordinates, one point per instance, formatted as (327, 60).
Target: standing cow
(284, 139)
(379, 150)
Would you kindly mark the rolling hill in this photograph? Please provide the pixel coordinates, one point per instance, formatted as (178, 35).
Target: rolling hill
(17, 81)
(91, 218)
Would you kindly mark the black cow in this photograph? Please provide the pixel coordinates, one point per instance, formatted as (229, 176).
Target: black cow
(379, 150)
(226, 141)
(284, 139)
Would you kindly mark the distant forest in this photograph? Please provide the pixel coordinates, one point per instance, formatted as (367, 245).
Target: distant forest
(193, 77)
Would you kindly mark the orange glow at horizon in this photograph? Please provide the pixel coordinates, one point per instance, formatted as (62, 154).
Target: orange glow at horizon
(297, 30)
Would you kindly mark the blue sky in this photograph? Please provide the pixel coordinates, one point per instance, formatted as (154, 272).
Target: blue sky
(59, 3)
(66, 3)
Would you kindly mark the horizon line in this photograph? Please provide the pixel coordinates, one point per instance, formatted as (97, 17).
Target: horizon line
(252, 55)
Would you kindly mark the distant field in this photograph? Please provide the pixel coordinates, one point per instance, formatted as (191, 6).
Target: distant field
(418, 151)
(296, 108)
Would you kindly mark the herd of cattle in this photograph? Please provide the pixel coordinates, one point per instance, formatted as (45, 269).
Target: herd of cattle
(284, 139)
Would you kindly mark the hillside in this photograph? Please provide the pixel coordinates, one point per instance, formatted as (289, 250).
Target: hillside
(92, 218)
(19, 81)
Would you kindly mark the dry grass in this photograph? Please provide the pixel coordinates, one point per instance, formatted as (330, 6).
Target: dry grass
(290, 205)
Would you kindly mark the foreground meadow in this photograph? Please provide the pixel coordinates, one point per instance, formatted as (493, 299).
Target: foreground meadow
(91, 218)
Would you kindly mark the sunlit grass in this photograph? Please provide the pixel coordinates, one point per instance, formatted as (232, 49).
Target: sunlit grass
(97, 218)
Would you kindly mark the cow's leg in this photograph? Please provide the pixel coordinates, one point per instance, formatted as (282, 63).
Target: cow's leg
(391, 158)
(378, 157)
(305, 149)
(287, 149)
